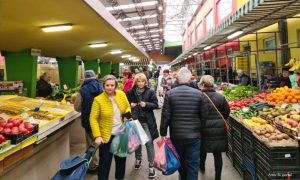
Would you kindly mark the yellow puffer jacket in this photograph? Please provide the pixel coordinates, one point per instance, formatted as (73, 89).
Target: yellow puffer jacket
(101, 117)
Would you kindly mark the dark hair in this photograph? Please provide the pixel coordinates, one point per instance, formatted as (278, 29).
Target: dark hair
(166, 71)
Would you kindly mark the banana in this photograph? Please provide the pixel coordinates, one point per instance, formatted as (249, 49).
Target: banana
(295, 67)
(291, 63)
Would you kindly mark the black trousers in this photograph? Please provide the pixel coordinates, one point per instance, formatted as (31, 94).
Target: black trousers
(217, 160)
(105, 158)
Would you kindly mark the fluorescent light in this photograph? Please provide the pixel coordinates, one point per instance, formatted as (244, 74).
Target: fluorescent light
(98, 45)
(56, 28)
(160, 8)
(132, 58)
(207, 47)
(136, 60)
(185, 58)
(195, 53)
(128, 6)
(142, 26)
(189, 56)
(138, 17)
(121, 64)
(116, 52)
(235, 34)
(126, 56)
(151, 31)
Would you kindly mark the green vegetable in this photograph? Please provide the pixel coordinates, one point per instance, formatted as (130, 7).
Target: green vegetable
(239, 92)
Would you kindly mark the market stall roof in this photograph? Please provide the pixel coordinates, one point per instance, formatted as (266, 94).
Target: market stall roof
(21, 22)
(254, 15)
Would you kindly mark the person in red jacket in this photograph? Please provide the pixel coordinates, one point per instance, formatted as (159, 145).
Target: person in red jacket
(127, 80)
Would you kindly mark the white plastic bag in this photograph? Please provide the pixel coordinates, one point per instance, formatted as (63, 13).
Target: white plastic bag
(140, 131)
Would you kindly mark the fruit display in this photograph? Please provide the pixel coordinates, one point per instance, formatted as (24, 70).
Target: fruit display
(10, 110)
(283, 95)
(15, 126)
(261, 97)
(242, 103)
(271, 113)
(293, 64)
(239, 92)
(255, 122)
(244, 113)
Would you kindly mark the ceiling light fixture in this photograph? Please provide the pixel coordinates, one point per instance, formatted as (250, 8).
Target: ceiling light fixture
(128, 6)
(116, 52)
(126, 56)
(189, 56)
(160, 8)
(195, 54)
(136, 60)
(121, 64)
(98, 45)
(132, 58)
(185, 58)
(207, 47)
(55, 28)
(236, 34)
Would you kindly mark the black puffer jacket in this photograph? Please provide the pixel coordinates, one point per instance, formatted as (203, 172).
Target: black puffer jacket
(182, 113)
(214, 137)
(150, 98)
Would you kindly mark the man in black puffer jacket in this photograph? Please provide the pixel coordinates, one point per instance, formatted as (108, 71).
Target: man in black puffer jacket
(182, 113)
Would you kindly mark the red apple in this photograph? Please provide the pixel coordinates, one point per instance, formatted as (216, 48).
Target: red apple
(29, 126)
(2, 138)
(17, 122)
(7, 131)
(9, 125)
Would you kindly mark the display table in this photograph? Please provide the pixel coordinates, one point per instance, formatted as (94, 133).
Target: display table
(41, 159)
(37, 155)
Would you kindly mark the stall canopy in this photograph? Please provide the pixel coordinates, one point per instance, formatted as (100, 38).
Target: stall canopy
(254, 15)
(21, 22)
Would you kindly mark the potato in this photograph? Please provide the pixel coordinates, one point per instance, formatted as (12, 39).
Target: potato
(267, 135)
(285, 136)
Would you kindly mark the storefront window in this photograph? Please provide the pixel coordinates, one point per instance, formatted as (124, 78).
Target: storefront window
(209, 20)
(269, 44)
(224, 8)
(199, 30)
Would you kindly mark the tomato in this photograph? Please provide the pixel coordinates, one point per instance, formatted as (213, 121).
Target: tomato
(2, 138)
(2, 124)
(1, 129)
(15, 130)
(17, 122)
(7, 131)
(29, 126)
(9, 125)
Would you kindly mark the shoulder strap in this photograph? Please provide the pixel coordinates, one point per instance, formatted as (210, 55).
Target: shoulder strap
(216, 109)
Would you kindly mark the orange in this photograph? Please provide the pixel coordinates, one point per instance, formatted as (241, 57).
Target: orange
(294, 101)
(290, 97)
(287, 101)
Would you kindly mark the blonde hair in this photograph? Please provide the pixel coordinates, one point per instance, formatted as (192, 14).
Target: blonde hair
(109, 77)
(140, 76)
(207, 81)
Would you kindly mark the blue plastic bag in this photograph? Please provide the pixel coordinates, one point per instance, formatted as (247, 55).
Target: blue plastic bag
(172, 158)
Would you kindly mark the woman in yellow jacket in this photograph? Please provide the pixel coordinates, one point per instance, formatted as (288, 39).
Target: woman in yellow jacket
(108, 111)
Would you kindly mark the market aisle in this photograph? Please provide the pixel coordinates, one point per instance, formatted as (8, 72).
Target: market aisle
(228, 173)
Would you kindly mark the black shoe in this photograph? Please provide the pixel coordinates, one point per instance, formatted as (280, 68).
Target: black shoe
(137, 164)
(152, 173)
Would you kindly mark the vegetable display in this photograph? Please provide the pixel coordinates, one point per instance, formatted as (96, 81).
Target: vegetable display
(239, 92)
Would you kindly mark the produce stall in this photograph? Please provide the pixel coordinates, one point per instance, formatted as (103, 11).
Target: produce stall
(34, 136)
(264, 134)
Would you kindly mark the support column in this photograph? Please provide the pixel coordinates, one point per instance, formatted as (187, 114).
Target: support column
(92, 65)
(68, 71)
(116, 67)
(283, 39)
(22, 66)
(105, 69)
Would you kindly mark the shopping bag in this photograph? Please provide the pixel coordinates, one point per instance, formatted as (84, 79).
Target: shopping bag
(133, 139)
(160, 101)
(119, 145)
(172, 158)
(160, 157)
(140, 131)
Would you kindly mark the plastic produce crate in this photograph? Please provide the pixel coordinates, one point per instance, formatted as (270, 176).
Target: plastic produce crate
(249, 167)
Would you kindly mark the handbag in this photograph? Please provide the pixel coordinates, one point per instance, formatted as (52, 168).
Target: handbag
(226, 124)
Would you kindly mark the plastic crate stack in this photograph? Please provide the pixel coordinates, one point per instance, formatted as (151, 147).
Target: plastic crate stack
(276, 163)
(255, 161)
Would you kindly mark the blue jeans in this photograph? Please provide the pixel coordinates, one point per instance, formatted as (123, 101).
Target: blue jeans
(105, 158)
(189, 153)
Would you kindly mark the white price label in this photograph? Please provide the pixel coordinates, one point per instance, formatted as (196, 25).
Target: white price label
(287, 155)
(31, 120)
(283, 106)
(24, 115)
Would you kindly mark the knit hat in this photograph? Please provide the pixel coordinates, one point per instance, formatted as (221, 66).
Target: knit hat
(88, 74)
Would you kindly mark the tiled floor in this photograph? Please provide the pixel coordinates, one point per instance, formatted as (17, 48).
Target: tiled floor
(228, 173)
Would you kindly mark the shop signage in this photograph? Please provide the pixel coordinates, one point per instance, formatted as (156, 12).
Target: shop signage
(36, 52)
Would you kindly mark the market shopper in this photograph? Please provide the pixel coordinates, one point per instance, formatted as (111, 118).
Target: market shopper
(166, 81)
(88, 91)
(285, 80)
(109, 110)
(214, 132)
(127, 80)
(181, 112)
(143, 101)
(243, 78)
(43, 86)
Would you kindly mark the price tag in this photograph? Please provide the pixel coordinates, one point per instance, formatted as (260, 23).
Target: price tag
(296, 107)
(287, 155)
(31, 120)
(283, 106)
(24, 115)
(65, 87)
